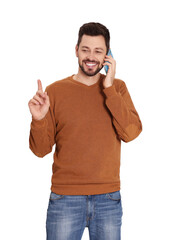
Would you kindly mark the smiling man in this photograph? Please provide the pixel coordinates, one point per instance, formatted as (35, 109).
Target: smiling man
(86, 116)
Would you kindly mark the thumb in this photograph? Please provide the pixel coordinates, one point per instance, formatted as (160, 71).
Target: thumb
(47, 98)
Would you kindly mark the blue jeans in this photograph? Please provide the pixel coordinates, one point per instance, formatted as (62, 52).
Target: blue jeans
(68, 215)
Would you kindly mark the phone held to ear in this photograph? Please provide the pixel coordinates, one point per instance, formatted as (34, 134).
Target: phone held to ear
(106, 66)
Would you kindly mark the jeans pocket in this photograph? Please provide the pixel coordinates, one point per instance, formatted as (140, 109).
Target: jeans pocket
(54, 196)
(115, 196)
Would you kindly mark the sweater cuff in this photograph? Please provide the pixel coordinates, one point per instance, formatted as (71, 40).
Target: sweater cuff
(38, 123)
(110, 91)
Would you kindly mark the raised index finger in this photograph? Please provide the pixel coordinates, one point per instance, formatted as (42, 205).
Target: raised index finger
(39, 85)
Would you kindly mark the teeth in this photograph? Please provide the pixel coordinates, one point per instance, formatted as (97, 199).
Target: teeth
(90, 64)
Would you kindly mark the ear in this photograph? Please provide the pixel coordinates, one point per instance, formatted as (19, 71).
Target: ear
(76, 50)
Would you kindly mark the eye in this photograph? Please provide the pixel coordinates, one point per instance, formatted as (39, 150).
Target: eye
(98, 52)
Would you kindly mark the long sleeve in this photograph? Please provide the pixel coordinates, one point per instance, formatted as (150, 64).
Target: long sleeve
(124, 115)
(42, 133)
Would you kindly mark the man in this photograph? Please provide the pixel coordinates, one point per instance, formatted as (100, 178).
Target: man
(86, 115)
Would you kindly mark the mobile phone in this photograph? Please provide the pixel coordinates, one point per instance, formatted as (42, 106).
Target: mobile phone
(106, 66)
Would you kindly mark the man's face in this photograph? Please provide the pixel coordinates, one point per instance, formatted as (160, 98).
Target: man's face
(91, 53)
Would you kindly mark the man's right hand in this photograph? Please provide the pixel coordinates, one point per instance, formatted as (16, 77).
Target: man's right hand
(39, 104)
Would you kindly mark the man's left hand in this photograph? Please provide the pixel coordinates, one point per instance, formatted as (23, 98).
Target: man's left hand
(110, 61)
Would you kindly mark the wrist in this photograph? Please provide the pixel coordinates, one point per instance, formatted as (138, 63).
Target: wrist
(107, 86)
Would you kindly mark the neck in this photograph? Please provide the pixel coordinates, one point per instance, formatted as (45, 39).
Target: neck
(83, 78)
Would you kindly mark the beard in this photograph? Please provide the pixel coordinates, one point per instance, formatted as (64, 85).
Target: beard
(91, 73)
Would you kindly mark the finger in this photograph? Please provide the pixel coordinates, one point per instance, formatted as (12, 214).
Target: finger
(33, 102)
(40, 93)
(37, 98)
(111, 65)
(39, 85)
(109, 56)
(107, 63)
(110, 59)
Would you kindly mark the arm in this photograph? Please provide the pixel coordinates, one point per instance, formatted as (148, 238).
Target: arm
(124, 115)
(43, 127)
(42, 135)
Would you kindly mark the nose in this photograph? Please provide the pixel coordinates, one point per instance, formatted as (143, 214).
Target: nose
(91, 56)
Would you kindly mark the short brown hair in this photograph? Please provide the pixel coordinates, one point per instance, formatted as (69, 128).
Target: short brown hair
(94, 29)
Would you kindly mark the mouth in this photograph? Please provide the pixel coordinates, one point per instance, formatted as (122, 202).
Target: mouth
(91, 64)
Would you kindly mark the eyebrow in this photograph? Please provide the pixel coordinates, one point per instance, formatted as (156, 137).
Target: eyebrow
(98, 48)
(85, 47)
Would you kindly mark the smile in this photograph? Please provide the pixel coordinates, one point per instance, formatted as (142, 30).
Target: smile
(90, 64)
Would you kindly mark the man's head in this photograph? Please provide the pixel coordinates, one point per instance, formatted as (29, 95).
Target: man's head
(94, 29)
(92, 46)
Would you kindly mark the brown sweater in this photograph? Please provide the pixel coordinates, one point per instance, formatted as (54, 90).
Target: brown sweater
(87, 124)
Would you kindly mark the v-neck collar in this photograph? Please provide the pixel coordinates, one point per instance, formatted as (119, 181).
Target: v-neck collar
(84, 85)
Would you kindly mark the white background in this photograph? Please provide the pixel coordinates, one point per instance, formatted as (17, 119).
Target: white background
(38, 42)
